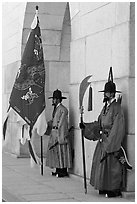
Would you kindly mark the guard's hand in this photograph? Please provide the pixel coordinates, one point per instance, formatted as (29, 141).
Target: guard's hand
(81, 125)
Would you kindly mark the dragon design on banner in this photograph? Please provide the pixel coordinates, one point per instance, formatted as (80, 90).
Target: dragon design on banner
(30, 76)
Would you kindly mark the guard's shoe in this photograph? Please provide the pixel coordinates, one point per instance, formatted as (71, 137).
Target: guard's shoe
(53, 173)
(60, 175)
(111, 194)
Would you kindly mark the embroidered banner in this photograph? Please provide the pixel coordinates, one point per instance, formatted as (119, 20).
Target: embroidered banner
(28, 94)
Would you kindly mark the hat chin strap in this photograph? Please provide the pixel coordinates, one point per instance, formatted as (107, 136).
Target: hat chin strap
(105, 99)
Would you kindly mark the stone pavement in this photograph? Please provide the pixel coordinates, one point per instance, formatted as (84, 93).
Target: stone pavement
(21, 183)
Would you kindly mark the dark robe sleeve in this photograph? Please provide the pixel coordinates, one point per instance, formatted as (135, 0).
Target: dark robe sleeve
(92, 131)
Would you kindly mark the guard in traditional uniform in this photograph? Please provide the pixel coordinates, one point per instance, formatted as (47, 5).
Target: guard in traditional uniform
(109, 159)
(59, 152)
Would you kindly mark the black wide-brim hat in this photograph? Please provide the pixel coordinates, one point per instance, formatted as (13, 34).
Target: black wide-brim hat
(110, 87)
(57, 94)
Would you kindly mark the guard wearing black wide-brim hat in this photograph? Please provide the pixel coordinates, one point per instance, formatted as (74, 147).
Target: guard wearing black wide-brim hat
(109, 159)
(110, 87)
(59, 152)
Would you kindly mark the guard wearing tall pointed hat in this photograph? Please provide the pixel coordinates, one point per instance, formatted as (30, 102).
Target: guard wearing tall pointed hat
(59, 153)
(109, 159)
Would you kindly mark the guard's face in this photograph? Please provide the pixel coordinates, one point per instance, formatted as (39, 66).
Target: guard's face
(108, 96)
(55, 101)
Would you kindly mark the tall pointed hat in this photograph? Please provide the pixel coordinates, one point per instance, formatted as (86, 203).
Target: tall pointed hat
(110, 85)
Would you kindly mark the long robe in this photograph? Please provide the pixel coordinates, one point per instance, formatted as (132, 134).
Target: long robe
(108, 174)
(59, 151)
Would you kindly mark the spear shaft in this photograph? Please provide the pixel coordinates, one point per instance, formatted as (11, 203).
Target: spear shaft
(83, 155)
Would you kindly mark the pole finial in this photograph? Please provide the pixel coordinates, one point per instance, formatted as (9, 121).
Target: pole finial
(110, 77)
